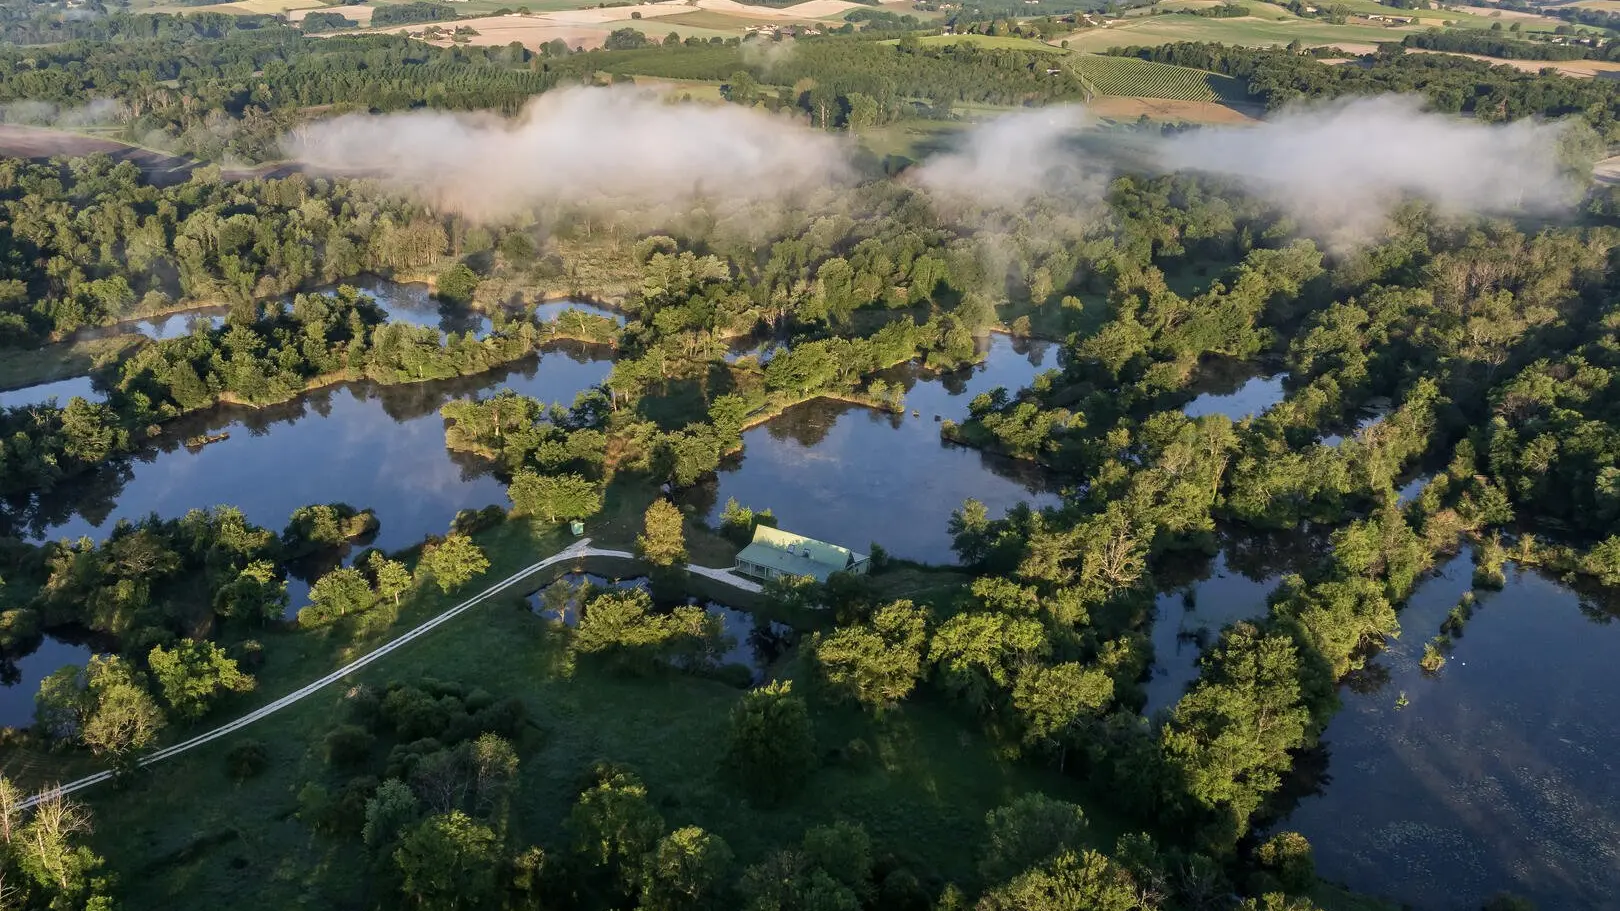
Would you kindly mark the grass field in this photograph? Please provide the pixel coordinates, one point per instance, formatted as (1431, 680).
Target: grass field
(195, 836)
(697, 90)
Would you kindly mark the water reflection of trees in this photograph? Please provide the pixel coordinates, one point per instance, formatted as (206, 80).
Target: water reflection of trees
(94, 495)
(809, 423)
(1265, 554)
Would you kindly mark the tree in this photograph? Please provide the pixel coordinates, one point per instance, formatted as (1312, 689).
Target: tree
(1051, 701)
(257, 595)
(876, 664)
(494, 767)
(844, 851)
(687, 872)
(1087, 881)
(615, 828)
(1287, 856)
(664, 542)
(556, 497)
(46, 852)
(105, 706)
(1031, 830)
(620, 627)
(393, 579)
(193, 675)
(449, 862)
(388, 812)
(1229, 739)
(978, 654)
(125, 720)
(456, 284)
(772, 746)
(453, 562)
(341, 592)
(969, 527)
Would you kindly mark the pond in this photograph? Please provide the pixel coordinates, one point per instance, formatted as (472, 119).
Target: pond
(1248, 399)
(409, 303)
(59, 391)
(1200, 595)
(176, 325)
(414, 304)
(1499, 772)
(370, 446)
(852, 475)
(755, 643)
(20, 678)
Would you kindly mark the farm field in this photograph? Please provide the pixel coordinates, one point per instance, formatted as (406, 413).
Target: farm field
(1146, 79)
(1165, 110)
(1248, 31)
(243, 7)
(1587, 69)
(588, 27)
(986, 41)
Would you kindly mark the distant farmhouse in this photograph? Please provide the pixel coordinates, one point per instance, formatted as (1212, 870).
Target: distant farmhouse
(774, 554)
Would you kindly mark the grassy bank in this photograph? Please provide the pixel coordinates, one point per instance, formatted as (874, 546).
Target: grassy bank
(63, 360)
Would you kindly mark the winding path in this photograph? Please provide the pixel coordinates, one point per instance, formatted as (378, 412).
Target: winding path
(577, 550)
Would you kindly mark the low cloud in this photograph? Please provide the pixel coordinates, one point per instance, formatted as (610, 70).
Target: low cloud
(582, 147)
(1011, 160)
(1341, 167)
(100, 112)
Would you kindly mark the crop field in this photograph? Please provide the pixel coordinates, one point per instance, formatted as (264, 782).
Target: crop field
(1145, 79)
(1152, 31)
(1003, 42)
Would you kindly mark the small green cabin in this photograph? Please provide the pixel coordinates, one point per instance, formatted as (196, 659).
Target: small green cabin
(775, 553)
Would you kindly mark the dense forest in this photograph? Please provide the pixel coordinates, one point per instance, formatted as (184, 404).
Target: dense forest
(1488, 91)
(1485, 348)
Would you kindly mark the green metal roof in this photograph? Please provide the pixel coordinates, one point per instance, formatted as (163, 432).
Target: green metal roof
(797, 555)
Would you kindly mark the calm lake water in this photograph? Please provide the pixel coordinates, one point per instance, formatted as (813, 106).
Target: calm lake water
(1247, 398)
(21, 677)
(59, 391)
(755, 643)
(1201, 595)
(1500, 772)
(852, 475)
(370, 446)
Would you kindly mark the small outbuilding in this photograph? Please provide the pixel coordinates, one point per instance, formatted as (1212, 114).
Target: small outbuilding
(775, 553)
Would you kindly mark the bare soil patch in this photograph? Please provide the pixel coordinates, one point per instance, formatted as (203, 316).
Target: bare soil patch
(1118, 108)
(610, 14)
(810, 9)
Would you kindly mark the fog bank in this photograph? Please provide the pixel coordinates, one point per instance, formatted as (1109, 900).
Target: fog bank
(1008, 161)
(578, 146)
(1342, 166)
